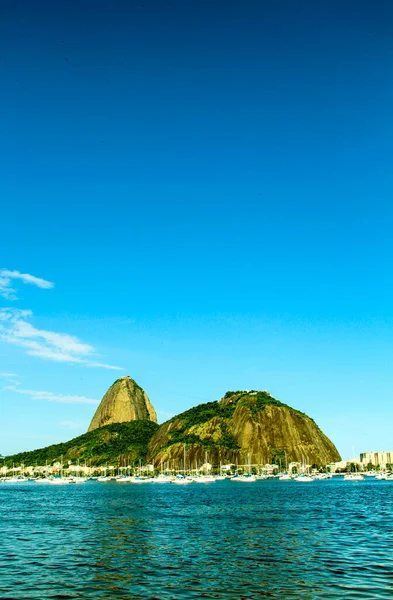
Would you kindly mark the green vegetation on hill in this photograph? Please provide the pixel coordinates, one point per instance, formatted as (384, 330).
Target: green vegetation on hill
(112, 444)
(244, 425)
(191, 427)
(204, 412)
(257, 401)
(225, 408)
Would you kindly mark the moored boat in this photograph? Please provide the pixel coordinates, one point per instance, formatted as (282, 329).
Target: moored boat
(244, 478)
(59, 481)
(182, 480)
(303, 479)
(204, 479)
(353, 477)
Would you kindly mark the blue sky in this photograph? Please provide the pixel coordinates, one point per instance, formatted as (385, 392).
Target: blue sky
(208, 187)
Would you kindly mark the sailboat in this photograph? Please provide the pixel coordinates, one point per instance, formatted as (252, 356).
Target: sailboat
(182, 479)
(60, 480)
(104, 478)
(353, 476)
(204, 478)
(246, 478)
(15, 478)
(303, 477)
(285, 476)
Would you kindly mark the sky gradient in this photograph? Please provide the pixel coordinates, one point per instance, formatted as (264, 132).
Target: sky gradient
(206, 189)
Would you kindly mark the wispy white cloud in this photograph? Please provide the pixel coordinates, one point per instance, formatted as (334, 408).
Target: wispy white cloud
(51, 397)
(7, 375)
(50, 345)
(6, 278)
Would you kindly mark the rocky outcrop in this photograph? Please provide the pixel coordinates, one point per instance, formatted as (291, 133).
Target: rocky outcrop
(124, 401)
(243, 427)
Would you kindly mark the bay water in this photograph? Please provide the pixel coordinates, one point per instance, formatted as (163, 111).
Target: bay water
(229, 540)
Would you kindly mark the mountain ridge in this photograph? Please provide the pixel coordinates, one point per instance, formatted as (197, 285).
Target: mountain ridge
(243, 427)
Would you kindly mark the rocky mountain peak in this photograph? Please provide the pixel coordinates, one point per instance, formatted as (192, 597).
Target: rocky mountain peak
(124, 401)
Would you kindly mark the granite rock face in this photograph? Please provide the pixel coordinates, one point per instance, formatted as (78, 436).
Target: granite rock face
(124, 401)
(243, 427)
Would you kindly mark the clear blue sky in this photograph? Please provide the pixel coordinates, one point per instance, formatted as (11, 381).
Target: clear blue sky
(209, 187)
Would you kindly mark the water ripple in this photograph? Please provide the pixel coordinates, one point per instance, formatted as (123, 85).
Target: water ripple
(328, 540)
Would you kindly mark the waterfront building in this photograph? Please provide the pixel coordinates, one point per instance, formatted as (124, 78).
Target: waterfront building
(381, 459)
(337, 466)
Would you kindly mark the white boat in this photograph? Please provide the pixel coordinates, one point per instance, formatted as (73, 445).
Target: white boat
(180, 480)
(285, 477)
(303, 479)
(204, 479)
(353, 477)
(59, 481)
(244, 478)
(385, 475)
(138, 479)
(161, 478)
(124, 479)
(77, 478)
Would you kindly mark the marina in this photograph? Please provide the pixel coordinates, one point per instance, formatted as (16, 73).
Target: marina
(146, 474)
(184, 479)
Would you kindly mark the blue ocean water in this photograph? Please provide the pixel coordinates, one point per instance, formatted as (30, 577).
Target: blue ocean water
(269, 539)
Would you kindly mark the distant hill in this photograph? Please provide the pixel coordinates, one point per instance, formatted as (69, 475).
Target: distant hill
(109, 444)
(244, 426)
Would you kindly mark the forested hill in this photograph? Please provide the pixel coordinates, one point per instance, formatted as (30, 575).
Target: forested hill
(113, 444)
(243, 426)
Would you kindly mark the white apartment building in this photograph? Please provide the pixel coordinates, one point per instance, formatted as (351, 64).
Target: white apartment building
(376, 458)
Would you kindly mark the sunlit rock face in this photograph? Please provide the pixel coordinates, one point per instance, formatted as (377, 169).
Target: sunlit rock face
(124, 401)
(248, 427)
